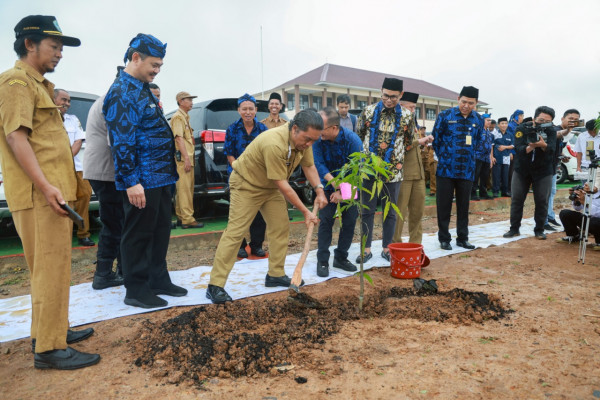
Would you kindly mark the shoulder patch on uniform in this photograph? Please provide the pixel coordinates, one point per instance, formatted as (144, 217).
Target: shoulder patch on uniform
(518, 134)
(20, 82)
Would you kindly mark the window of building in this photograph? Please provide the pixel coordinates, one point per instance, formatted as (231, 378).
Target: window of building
(329, 102)
(291, 103)
(430, 114)
(303, 101)
(318, 102)
(361, 104)
(418, 112)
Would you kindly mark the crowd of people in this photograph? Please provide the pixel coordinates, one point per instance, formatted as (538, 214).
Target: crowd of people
(136, 160)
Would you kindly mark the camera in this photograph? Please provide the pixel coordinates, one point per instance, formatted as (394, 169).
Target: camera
(573, 196)
(534, 133)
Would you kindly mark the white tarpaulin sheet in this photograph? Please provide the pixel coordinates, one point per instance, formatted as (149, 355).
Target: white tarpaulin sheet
(246, 279)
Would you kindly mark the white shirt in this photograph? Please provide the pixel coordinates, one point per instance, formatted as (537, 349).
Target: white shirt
(581, 144)
(75, 132)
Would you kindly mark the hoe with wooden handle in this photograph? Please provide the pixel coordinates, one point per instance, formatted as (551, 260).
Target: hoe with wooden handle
(297, 277)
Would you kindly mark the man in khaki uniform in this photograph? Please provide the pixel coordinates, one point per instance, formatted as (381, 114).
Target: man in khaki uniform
(259, 182)
(432, 168)
(411, 199)
(274, 120)
(39, 177)
(184, 139)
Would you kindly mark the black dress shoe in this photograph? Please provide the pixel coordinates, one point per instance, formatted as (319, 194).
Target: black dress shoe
(445, 246)
(322, 269)
(72, 337)
(146, 300)
(553, 222)
(344, 264)
(258, 252)
(549, 227)
(111, 280)
(511, 233)
(285, 281)
(242, 253)
(217, 294)
(366, 257)
(540, 235)
(465, 244)
(475, 198)
(386, 256)
(194, 224)
(64, 359)
(170, 290)
(86, 242)
(507, 194)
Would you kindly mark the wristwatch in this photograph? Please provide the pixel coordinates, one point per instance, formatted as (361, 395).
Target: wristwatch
(320, 185)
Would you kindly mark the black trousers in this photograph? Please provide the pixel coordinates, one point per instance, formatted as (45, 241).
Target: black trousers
(348, 222)
(500, 176)
(257, 233)
(389, 193)
(111, 216)
(482, 174)
(145, 241)
(541, 190)
(446, 189)
(571, 221)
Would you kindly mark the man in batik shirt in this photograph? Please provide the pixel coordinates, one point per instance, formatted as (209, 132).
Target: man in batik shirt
(386, 129)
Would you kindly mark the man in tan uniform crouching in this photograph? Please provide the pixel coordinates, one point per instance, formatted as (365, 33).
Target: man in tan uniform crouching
(259, 181)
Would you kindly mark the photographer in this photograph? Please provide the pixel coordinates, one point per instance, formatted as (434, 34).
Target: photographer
(535, 144)
(572, 219)
(582, 143)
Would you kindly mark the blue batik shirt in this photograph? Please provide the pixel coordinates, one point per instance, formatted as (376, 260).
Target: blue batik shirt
(484, 149)
(141, 139)
(237, 139)
(507, 139)
(330, 156)
(456, 158)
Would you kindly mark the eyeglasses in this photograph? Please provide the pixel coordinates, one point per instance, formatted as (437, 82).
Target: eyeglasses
(388, 97)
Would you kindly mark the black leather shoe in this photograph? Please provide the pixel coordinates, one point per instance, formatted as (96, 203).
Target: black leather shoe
(64, 359)
(72, 337)
(322, 269)
(146, 300)
(111, 280)
(193, 225)
(553, 222)
(170, 290)
(285, 281)
(386, 255)
(258, 252)
(365, 258)
(242, 253)
(540, 235)
(549, 227)
(344, 265)
(465, 244)
(475, 198)
(511, 234)
(507, 194)
(86, 242)
(217, 294)
(445, 246)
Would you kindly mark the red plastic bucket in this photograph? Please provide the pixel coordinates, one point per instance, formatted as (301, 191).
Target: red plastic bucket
(407, 260)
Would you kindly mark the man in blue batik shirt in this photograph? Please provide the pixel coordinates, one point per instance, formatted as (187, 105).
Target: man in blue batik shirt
(483, 160)
(457, 133)
(504, 146)
(143, 150)
(237, 137)
(331, 153)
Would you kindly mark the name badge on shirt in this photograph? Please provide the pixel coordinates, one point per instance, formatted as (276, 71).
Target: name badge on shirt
(468, 140)
(152, 105)
(589, 145)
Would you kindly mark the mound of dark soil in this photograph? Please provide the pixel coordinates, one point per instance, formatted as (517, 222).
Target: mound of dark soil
(254, 336)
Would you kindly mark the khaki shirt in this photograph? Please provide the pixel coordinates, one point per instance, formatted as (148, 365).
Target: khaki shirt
(271, 157)
(413, 164)
(272, 123)
(180, 125)
(26, 100)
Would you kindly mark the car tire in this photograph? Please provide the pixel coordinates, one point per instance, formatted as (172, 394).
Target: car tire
(307, 195)
(562, 174)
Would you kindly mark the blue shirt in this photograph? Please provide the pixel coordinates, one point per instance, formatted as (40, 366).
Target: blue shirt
(237, 139)
(507, 139)
(330, 156)
(456, 158)
(484, 149)
(141, 139)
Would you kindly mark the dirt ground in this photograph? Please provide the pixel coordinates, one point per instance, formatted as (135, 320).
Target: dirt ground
(511, 322)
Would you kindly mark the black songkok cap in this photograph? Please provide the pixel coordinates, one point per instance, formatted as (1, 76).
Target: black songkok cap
(503, 119)
(45, 25)
(410, 97)
(469, 91)
(275, 96)
(528, 119)
(392, 84)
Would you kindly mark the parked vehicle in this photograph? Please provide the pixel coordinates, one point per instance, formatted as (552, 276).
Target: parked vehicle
(209, 120)
(568, 163)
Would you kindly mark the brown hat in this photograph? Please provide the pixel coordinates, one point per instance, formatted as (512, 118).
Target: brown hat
(184, 95)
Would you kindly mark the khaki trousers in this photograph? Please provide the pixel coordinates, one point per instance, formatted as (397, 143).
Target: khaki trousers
(245, 201)
(46, 239)
(411, 203)
(432, 167)
(184, 199)
(82, 204)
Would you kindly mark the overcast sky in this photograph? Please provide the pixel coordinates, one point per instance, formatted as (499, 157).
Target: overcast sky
(520, 54)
